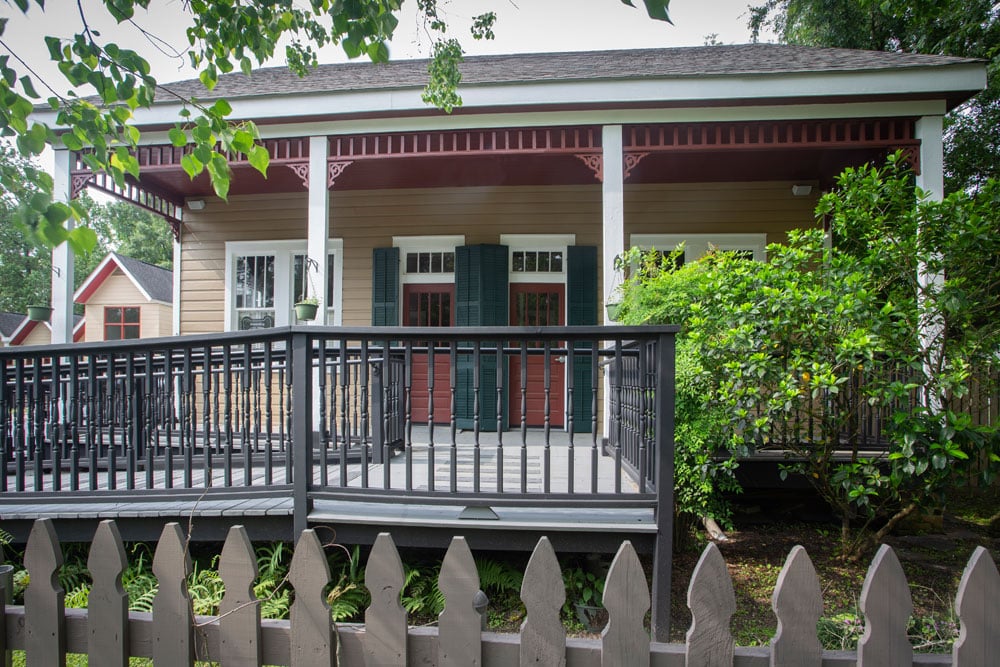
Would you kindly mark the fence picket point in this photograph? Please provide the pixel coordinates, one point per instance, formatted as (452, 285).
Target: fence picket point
(798, 605)
(459, 634)
(107, 604)
(313, 643)
(239, 610)
(977, 606)
(543, 636)
(44, 599)
(385, 619)
(173, 616)
(712, 603)
(886, 604)
(624, 641)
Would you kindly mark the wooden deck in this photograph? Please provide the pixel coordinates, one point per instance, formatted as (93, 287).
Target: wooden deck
(263, 500)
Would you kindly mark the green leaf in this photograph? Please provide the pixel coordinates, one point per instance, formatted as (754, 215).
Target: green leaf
(71, 141)
(259, 159)
(221, 108)
(29, 87)
(242, 141)
(177, 137)
(82, 240)
(657, 9)
(191, 165)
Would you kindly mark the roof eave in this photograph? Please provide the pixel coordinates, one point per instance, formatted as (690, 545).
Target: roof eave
(953, 83)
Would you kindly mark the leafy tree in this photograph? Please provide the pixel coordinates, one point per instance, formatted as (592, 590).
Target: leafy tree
(223, 35)
(24, 268)
(26, 264)
(965, 28)
(792, 352)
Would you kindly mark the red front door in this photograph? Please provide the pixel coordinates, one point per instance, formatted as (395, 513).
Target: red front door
(542, 305)
(429, 306)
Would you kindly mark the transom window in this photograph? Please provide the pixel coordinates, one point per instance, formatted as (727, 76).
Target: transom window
(430, 262)
(747, 246)
(540, 261)
(121, 322)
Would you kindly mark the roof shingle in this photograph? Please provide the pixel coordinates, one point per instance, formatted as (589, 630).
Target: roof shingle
(698, 61)
(158, 282)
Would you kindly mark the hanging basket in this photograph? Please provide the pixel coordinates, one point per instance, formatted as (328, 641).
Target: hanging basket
(306, 312)
(613, 311)
(39, 313)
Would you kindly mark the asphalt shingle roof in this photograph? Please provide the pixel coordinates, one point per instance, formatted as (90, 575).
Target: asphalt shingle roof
(698, 61)
(9, 322)
(158, 282)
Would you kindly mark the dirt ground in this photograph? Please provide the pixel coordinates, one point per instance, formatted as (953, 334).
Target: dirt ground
(933, 555)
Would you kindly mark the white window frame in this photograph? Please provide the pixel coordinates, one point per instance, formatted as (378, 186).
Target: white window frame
(408, 244)
(535, 242)
(283, 252)
(698, 245)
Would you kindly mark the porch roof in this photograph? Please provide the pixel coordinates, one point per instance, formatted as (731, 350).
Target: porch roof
(702, 61)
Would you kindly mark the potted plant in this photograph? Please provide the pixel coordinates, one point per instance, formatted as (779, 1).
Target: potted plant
(307, 306)
(39, 313)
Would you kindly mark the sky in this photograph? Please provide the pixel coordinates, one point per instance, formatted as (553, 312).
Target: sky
(523, 26)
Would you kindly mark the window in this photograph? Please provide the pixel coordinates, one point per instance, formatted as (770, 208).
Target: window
(427, 259)
(538, 258)
(748, 246)
(121, 322)
(265, 278)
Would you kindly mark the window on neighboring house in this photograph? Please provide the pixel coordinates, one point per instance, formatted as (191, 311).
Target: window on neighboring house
(121, 322)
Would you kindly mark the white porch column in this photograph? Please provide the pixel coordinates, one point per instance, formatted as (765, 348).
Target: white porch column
(613, 228)
(176, 327)
(930, 131)
(613, 202)
(62, 257)
(319, 225)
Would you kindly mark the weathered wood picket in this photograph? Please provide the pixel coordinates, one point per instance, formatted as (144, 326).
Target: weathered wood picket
(172, 635)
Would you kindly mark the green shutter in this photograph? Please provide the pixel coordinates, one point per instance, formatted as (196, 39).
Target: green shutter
(581, 298)
(385, 287)
(481, 299)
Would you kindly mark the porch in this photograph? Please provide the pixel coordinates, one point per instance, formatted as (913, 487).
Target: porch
(292, 427)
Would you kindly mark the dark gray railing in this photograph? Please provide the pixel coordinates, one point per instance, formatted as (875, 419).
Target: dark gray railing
(350, 414)
(228, 410)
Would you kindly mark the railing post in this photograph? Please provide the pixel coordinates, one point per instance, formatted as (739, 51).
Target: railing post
(378, 410)
(664, 444)
(302, 429)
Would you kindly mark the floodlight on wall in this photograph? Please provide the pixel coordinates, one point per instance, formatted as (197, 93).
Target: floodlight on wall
(801, 190)
(196, 204)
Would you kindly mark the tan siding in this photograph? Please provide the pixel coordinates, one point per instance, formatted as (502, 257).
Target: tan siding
(720, 208)
(40, 335)
(369, 219)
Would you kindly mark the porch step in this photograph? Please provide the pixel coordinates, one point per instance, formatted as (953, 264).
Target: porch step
(554, 519)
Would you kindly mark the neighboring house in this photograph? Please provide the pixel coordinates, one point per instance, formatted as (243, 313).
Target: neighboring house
(125, 298)
(512, 209)
(33, 332)
(9, 322)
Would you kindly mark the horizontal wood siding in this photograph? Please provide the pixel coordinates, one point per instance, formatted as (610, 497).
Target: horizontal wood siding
(118, 290)
(367, 219)
(718, 208)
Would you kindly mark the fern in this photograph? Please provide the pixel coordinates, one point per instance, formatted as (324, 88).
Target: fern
(78, 598)
(421, 594)
(497, 578)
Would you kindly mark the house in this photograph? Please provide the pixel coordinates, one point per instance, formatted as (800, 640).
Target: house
(34, 332)
(512, 209)
(9, 322)
(125, 298)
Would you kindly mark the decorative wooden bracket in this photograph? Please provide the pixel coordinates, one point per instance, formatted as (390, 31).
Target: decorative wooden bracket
(911, 156)
(335, 169)
(78, 183)
(595, 162)
(301, 170)
(632, 161)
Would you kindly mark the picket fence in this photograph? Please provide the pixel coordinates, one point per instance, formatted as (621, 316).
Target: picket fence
(172, 635)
